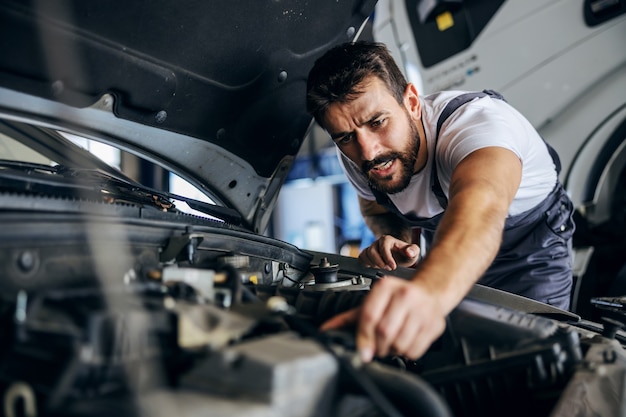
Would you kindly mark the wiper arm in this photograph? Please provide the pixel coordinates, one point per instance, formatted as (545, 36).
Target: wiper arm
(108, 187)
(159, 198)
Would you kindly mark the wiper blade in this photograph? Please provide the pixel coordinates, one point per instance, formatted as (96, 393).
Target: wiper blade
(95, 183)
(159, 198)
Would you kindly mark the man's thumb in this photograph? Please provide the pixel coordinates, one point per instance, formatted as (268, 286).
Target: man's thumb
(411, 251)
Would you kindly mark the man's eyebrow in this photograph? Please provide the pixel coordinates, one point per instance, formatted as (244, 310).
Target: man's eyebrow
(374, 117)
(338, 135)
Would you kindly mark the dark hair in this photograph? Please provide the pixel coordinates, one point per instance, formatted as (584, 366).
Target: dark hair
(336, 75)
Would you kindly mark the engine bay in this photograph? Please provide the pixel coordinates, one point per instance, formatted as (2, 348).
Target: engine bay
(209, 317)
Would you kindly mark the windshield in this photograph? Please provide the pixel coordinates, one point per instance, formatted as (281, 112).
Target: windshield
(35, 147)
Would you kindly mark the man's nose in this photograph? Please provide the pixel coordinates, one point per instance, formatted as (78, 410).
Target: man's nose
(368, 144)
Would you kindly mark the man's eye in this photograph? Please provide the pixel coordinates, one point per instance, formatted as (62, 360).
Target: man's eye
(378, 122)
(344, 140)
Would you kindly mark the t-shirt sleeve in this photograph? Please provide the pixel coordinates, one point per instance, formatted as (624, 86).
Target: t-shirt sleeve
(481, 125)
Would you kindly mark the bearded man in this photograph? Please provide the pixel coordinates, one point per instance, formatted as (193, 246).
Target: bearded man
(466, 169)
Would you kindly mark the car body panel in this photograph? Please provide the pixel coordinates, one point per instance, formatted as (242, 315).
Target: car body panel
(210, 73)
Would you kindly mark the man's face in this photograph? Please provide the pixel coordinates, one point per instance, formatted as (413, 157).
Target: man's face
(378, 134)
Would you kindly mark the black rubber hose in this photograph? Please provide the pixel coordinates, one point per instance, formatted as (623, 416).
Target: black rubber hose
(408, 392)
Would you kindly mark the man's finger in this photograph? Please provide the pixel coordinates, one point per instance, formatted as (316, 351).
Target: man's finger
(386, 255)
(371, 258)
(407, 338)
(365, 259)
(425, 339)
(411, 251)
(390, 326)
(406, 254)
(371, 313)
(344, 319)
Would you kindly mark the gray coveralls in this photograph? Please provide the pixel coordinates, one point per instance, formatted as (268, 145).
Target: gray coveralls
(535, 255)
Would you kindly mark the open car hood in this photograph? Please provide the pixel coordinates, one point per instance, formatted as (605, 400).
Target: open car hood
(161, 79)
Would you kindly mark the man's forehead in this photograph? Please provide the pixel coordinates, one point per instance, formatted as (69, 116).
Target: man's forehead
(371, 86)
(373, 99)
(343, 119)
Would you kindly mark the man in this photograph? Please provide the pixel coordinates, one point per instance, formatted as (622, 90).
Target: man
(476, 178)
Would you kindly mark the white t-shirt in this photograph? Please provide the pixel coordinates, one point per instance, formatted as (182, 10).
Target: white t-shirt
(483, 122)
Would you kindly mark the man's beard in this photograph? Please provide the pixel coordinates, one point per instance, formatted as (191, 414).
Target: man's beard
(406, 158)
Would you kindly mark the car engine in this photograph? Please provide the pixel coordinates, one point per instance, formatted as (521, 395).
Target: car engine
(117, 308)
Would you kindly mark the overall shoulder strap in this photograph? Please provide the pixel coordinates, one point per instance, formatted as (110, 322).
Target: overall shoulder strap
(458, 101)
(454, 104)
(450, 108)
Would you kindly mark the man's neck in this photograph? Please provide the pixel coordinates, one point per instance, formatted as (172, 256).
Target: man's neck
(422, 155)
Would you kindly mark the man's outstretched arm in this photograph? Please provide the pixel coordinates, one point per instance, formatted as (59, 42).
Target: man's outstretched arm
(404, 317)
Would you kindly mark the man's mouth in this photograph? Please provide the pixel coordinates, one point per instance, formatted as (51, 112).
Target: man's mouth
(382, 169)
(383, 165)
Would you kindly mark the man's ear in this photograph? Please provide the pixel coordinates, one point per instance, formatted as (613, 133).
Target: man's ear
(412, 102)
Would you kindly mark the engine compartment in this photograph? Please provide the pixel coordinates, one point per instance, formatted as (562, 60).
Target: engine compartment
(209, 317)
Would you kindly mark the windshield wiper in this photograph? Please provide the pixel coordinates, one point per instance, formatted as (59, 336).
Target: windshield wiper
(61, 180)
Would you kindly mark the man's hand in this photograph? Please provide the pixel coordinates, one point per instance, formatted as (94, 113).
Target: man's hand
(397, 317)
(388, 253)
